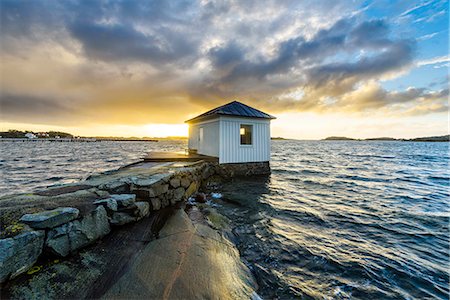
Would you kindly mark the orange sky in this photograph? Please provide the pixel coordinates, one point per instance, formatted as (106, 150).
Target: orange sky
(347, 68)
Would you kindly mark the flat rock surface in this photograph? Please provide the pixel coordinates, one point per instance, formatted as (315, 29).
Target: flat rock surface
(50, 218)
(188, 261)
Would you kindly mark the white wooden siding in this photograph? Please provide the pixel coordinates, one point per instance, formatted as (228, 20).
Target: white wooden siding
(231, 150)
(210, 144)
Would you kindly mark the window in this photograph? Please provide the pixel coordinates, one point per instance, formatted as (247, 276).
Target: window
(246, 134)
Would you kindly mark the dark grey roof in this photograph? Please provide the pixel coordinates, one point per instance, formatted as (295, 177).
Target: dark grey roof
(234, 108)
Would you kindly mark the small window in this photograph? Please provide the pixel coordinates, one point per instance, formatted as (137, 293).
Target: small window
(246, 134)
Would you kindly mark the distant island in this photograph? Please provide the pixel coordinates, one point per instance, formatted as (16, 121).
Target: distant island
(58, 135)
(442, 138)
(17, 134)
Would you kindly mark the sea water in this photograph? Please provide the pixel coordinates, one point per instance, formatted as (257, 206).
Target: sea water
(349, 219)
(334, 220)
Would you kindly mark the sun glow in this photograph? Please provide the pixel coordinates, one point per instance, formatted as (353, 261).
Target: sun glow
(90, 130)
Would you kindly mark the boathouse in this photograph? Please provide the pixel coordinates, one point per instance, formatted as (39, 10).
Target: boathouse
(234, 133)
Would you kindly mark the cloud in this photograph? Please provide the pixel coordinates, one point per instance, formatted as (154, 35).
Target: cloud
(143, 62)
(32, 108)
(433, 61)
(415, 8)
(427, 36)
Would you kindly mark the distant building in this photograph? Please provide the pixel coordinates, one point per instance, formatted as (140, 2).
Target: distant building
(234, 133)
(30, 135)
(43, 134)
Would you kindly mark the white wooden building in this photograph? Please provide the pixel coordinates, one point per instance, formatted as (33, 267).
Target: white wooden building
(234, 133)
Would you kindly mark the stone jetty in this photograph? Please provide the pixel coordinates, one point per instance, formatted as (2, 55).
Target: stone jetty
(48, 234)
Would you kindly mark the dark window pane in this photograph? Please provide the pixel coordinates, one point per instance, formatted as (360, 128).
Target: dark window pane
(246, 134)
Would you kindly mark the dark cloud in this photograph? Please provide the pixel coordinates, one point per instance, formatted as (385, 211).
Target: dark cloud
(142, 55)
(36, 109)
(120, 42)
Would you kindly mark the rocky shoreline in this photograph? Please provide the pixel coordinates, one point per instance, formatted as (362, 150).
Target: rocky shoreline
(150, 216)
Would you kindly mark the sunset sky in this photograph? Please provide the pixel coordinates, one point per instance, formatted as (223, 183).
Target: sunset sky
(140, 68)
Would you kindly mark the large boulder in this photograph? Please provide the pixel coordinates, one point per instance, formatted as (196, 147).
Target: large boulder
(74, 235)
(211, 266)
(50, 218)
(19, 253)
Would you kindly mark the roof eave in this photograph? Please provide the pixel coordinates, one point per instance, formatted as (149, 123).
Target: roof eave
(205, 118)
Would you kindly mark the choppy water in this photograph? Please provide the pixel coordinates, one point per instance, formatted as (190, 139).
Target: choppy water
(360, 220)
(27, 166)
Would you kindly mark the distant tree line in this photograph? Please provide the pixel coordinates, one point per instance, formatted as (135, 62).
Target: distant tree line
(21, 134)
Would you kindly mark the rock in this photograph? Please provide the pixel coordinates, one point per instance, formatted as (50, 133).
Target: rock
(14, 229)
(121, 218)
(207, 172)
(200, 197)
(191, 189)
(19, 253)
(160, 189)
(178, 194)
(101, 194)
(185, 182)
(124, 200)
(110, 204)
(155, 203)
(50, 218)
(115, 187)
(150, 181)
(143, 208)
(72, 236)
(211, 266)
(175, 182)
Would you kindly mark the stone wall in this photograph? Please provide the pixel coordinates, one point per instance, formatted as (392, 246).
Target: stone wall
(114, 200)
(243, 169)
(63, 230)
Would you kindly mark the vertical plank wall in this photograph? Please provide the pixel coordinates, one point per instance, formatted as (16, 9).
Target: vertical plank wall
(231, 151)
(211, 141)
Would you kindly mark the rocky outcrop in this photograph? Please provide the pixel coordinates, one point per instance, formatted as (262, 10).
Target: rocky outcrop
(50, 218)
(110, 199)
(74, 235)
(19, 253)
(188, 261)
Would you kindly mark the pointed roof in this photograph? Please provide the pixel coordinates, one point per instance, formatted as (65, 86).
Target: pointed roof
(234, 108)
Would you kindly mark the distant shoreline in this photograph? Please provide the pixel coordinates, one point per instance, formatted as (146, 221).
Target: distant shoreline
(75, 140)
(442, 138)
